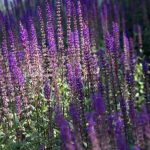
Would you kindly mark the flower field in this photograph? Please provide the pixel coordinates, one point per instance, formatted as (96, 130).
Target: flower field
(75, 75)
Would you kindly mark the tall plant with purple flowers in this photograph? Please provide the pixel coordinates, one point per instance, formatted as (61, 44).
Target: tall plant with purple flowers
(72, 76)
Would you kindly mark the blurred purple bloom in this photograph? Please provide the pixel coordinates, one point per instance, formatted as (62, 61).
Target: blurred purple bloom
(18, 105)
(98, 103)
(145, 67)
(123, 105)
(16, 72)
(92, 133)
(47, 90)
(115, 30)
(65, 132)
(120, 138)
(20, 55)
(109, 43)
(132, 112)
(135, 148)
(74, 114)
(144, 116)
(70, 76)
(101, 60)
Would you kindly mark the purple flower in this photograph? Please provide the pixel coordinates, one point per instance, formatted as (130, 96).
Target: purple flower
(20, 77)
(76, 34)
(60, 38)
(132, 55)
(1, 70)
(16, 72)
(33, 38)
(87, 48)
(52, 51)
(3, 94)
(24, 38)
(4, 49)
(76, 125)
(20, 56)
(140, 41)
(129, 79)
(78, 82)
(65, 131)
(68, 13)
(47, 90)
(25, 44)
(74, 114)
(126, 51)
(12, 41)
(132, 112)
(98, 103)
(115, 30)
(77, 70)
(110, 123)
(101, 59)
(104, 18)
(144, 116)
(120, 138)
(70, 76)
(35, 54)
(92, 133)
(123, 105)
(71, 49)
(145, 67)
(109, 43)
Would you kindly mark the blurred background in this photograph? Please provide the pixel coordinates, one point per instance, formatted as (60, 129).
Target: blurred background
(139, 16)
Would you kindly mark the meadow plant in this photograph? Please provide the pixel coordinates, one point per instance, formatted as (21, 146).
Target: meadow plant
(72, 76)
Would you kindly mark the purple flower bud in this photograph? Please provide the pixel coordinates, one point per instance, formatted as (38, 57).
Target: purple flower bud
(126, 51)
(78, 82)
(123, 105)
(98, 103)
(70, 76)
(47, 90)
(77, 70)
(1, 70)
(101, 60)
(104, 18)
(33, 38)
(115, 30)
(109, 43)
(86, 50)
(20, 55)
(52, 51)
(92, 133)
(65, 132)
(145, 67)
(4, 49)
(144, 116)
(129, 78)
(110, 123)
(18, 105)
(74, 114)
(20, 77)
(16, 72)
(120, 138)
(132, 112)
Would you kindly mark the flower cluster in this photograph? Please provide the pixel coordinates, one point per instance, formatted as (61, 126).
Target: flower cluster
(68, 76)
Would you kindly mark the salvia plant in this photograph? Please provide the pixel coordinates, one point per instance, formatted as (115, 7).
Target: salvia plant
(74, 75)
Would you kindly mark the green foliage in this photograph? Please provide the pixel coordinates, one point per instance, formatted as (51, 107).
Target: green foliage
(139, 85)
